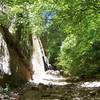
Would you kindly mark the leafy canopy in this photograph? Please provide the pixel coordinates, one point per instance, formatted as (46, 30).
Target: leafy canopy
(72, 29)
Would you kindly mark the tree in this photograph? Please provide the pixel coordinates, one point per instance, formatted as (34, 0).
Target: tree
(73, 31)
(16, 29)
(80, 22)
(19, 21)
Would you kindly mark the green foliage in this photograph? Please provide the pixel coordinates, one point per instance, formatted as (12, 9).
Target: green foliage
(78, 55)
(23, 18)
(74, 30)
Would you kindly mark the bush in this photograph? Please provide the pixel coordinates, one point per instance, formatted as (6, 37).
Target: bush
(80, 58)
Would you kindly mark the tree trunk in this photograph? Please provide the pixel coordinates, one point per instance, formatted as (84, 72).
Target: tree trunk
(21, 68)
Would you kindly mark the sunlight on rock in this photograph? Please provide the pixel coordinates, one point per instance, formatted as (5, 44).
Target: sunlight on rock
(40, 75)
(37, 61)
(91, 84)
(49, 79)
(4, 57)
